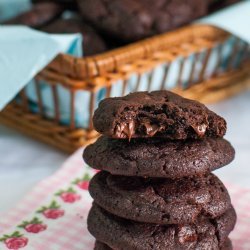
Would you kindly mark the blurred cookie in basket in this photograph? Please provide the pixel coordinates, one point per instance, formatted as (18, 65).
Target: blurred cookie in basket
(67, 4)
(219, 4)
(93, 43)
(169, 15)
(38, 16)
(131, 20)
(126, 19)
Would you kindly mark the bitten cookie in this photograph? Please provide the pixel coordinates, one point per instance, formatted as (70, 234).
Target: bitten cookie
(92, 42)
(131, 20)
(158, 113)
(160, 201)
(124, 234)
(155, 157)
(40, 14)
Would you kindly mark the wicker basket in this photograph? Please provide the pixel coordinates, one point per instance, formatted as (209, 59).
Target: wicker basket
(104, 71)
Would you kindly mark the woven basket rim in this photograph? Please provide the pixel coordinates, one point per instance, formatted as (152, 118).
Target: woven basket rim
(82, 68)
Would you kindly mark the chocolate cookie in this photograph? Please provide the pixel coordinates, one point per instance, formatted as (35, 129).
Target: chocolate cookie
(40, 14)
(101, 246)
(226, 246)
(154, 157)
(131, 20)
(158, 113)
(92, 42)
(124, 234)
(160, 201)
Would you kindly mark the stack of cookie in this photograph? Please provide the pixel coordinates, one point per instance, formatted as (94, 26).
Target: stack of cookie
(156, 189)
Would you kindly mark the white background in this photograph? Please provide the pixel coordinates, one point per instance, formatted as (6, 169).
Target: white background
(23, 161)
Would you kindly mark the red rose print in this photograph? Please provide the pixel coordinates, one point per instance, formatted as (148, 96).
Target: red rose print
(35, 228)
(83, 185)
(53, 213)
(16, 243)
(70, 197)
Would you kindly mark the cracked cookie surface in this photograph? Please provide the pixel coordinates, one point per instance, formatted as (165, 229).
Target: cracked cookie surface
(160, 201)
(155, 157)
(101, 246)
(124, 234)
